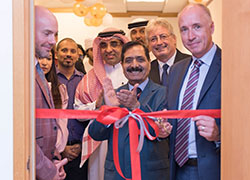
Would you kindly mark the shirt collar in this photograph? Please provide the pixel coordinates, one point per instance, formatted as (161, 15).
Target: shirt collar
(76, 72)
(170, 62)
(110, 67)
(141, 86)
(206, 59)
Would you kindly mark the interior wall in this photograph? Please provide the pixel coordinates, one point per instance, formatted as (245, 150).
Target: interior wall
(6, 92)
(215, 8)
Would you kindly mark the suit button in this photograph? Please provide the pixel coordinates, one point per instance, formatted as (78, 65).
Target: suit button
(55, 128)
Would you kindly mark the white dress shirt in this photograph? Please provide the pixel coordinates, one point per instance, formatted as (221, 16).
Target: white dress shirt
(207, 60)
(170, 62)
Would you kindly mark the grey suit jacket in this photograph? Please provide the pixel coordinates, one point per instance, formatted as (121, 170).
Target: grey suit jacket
(46, 133)
(154, 154)
(210, 98)
(154, 74)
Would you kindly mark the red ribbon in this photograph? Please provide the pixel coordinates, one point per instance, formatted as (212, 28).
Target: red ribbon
(88, 114)
(109, 115)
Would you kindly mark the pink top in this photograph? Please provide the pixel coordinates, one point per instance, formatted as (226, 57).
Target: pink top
(62, 133)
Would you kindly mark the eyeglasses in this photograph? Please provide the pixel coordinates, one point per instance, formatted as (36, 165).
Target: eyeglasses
(162, 37)
(113, 44)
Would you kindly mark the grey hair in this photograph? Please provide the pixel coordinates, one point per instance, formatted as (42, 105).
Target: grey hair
(158, 22)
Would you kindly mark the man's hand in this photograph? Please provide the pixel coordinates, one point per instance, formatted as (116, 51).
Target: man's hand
(128, 98)
(109, 93)
(72, 152)
(165, 127)
(60, 173)
(207, 127)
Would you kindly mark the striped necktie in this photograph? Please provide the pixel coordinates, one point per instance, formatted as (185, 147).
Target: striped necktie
(183, 125)
(138, 93)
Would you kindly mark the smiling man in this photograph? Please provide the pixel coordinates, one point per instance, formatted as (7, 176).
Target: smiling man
(67, 55)
(107, 48)
(195, 83)
(162, 41)
(151, 97)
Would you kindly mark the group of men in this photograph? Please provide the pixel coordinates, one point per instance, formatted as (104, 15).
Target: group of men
(123, 75)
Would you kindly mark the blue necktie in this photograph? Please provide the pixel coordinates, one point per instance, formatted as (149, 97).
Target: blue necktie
(164, 75)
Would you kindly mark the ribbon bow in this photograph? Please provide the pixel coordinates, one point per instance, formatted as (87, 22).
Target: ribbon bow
(119, 116)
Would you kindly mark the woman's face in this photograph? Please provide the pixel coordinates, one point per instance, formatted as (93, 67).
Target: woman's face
(46, 63)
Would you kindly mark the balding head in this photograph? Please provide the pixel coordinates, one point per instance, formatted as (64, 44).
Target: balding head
(196, 27)
(203, 8)
(46, 30)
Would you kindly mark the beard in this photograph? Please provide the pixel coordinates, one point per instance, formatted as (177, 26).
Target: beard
(66, 64)
(41, 54)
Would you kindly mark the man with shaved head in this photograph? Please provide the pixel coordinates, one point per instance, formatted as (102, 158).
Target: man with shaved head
(195, 83)
(48, 166)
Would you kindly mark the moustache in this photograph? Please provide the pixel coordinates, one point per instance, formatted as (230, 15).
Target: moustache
(68, 57)
(159, 47)
(131, 69)
(109, 53)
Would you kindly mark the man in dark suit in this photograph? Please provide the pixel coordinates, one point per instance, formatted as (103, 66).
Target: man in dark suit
(162, 42)
(195, 83)
(154, 155)
(47, 168)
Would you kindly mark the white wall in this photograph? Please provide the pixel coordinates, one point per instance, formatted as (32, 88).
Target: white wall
(6, 92)
(216, 11)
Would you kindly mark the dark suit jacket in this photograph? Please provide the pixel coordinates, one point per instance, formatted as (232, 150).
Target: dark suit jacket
(154, 154)
(210, 98)
(46, 133)
(154, 73)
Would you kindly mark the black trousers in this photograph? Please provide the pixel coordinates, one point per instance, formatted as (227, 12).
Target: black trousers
(73, 172)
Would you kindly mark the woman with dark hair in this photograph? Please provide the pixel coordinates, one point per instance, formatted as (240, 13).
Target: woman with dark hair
(59, 96)
(79, 63)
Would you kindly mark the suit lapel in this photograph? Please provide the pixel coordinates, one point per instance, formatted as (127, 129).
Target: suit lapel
(146, 94)
(44, 91)
(179, 81)
(177, 57)
(154, 73)
(213, 71)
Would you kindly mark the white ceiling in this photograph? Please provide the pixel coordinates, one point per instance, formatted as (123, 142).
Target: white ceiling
(122, 6)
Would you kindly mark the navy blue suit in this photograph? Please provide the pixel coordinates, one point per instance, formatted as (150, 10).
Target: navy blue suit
(154, 154)
(210, 98)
